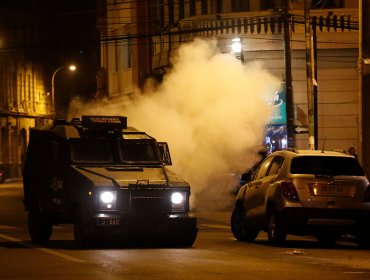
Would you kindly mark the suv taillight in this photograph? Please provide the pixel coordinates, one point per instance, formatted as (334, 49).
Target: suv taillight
(289, 191)
(367, 194)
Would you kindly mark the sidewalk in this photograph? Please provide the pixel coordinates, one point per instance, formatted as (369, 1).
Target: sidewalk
(13, 180)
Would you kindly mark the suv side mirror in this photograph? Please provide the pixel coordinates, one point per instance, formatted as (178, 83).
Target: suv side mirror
(165, 153)
(246, 177)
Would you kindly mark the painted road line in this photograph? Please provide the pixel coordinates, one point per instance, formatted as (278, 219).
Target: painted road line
(10, 228)
(45, 250)
(5, 227)
(214, 226)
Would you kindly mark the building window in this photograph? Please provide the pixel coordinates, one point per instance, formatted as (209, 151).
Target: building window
(126, 54)
(159, 16)
(157, 13)
(181, 9)
(170, 12)
(29, 91)
(21, 83)
(240, 5)
(328, 4)
(4, 151)
(116, 55)
(270, 4)
(192, 7)
(204, 7)
(219, 6)
(23, 143)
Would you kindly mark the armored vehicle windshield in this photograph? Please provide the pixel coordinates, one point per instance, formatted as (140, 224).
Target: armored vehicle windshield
(117, 151)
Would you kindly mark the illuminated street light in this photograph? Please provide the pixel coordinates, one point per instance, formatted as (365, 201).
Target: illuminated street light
(71, 68)
(237, 48)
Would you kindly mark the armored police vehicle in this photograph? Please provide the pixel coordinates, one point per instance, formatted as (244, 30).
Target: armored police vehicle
(107, 179)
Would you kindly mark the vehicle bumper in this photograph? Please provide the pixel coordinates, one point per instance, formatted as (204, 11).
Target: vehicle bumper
(166, 226)
(299, 217)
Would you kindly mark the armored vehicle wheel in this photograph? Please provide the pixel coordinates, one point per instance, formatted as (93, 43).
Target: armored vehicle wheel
(39, 227)
(80, 227)
(275, 232)
(239, 229)
(183, 240)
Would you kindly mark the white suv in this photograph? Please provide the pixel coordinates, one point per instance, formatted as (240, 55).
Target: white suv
(325, 194)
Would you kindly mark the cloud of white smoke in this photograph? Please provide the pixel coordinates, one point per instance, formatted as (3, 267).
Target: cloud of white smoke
(211, 109)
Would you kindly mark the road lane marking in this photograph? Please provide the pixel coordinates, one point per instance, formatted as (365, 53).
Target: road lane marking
(4, 227)
(214, 226)
(356, 272)
(45, 250)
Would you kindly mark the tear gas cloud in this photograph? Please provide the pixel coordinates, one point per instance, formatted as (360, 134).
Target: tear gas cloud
(211, 109)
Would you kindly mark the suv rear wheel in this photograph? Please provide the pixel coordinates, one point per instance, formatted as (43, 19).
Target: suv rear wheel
(239, 229)
(275, 232)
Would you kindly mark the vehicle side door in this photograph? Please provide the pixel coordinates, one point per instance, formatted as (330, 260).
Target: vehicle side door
(259, 188)
(57, 192)
(254, 192)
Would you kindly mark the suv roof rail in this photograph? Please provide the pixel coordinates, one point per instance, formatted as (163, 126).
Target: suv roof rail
(294, 150)
(340, 151)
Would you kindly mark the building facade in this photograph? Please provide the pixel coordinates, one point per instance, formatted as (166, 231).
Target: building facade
(148, 32)
(38, 40)
(24, 99)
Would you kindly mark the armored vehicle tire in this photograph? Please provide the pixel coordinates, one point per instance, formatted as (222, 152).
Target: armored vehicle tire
(239, 229)
(183, 240)
(39, 227)
(80, 227)
(275, 232)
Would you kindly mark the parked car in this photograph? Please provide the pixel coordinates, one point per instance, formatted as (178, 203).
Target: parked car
(301, 192)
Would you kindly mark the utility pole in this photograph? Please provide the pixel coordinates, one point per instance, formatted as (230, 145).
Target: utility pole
(314, 86)
(364, 86)
(288, 75)
(361, 136)
(310, 78)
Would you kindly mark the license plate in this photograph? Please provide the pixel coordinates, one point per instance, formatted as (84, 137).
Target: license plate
(331, 190)
(108, 222)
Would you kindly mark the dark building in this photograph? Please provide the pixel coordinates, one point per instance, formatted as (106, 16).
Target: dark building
(38, 39)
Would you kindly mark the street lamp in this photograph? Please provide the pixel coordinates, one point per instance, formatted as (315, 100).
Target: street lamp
(71, 68)
(237, 48)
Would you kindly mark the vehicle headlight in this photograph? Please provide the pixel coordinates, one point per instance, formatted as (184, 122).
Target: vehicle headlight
(179, 201)
(108, 200)
(177, 198)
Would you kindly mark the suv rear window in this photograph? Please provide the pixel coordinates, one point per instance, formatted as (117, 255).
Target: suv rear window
(321, 165)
